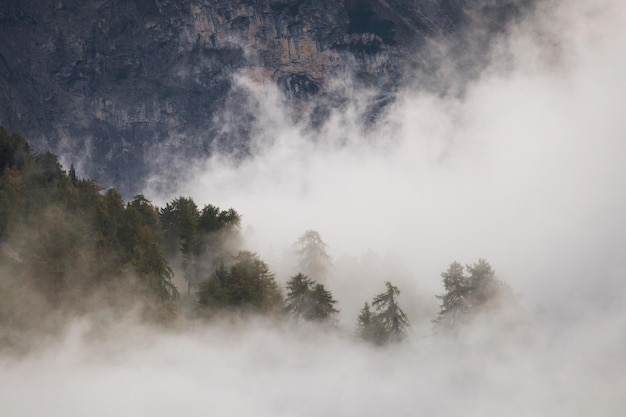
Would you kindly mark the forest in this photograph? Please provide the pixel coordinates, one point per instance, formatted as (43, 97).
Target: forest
(69, 246)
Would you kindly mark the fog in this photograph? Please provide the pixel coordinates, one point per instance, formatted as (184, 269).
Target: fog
(525, 168)
(257, 368)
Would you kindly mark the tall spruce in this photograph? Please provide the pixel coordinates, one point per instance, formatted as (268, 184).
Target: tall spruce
(468, 292)
(455, 302)
(392, 319)
(309, 300)
(313, 258)
(368, 325)
(387, 323)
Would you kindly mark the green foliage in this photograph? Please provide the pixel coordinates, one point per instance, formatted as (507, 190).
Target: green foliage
(309, 300)
(71, 241)
(140, 229)
(180, 224)
(51, 171)
(12, 199)
(14, 151)
(72, 175)
(455, 303)
(247, 285)
(203, 239)
(392, 319)
(387, 323)
(67, 239)
(468, 294)
(368, 325)
(299, 288)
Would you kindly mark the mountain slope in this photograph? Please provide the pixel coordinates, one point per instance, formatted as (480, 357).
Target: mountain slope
(113, 83)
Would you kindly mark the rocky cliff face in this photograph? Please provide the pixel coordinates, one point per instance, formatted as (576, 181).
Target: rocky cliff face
(115, 81)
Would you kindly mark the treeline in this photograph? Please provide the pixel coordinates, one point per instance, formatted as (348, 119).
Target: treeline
(68, 244)
(66, 239)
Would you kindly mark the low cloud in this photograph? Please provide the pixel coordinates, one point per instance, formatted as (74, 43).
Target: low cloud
(267, 370)
(525, 169)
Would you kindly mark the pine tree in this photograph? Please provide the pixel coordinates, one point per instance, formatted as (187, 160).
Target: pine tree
(467, 295)
(247, 285)
(313, 259)
(322, 303)
(392, 319)
(141, 238)
(198, 241)
(455, 302)
(368, 325)
(72, 175)
(388, 323)
(74, 240)
(186, 224)
(298, 295)
(309, 300)
(484, 287)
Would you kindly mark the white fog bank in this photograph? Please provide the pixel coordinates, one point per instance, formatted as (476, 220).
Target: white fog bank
(263, 370)
(526, 170)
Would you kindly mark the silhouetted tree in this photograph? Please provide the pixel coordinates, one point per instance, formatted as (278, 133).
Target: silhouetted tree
(368, 325)
(203, 239)
(186, 228)
(298, 295)
(141, 231)
(455, 302)
(50, 166)
(322, 303)
(12, 199)
(219, 236)
(72, 175)
(484, 287)
(313, 260)
(14, 151)
(309, 300)
(247, 285)
(392, 319)
(387, 323)
(469, 294)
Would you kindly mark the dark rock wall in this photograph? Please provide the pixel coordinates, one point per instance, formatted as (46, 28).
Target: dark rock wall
(115, 82)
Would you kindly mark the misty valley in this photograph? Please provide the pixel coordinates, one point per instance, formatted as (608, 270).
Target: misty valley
(312, 208)
(69, 247)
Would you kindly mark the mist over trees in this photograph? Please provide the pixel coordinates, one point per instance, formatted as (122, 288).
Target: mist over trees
(309, 300)
(64, 240)
(385, 322)
(68, 245)
(248, 284)
(313, 258)
(470, 291)
(197, 241)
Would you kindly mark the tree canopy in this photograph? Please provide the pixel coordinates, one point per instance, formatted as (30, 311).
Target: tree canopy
(387, 323)
(71, 240)
(309, 300)
(247, 285)
(468, 292)
(198, 240)
(74, 243)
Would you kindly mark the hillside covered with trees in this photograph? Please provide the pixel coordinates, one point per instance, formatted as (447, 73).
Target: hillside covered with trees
(68, 246)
